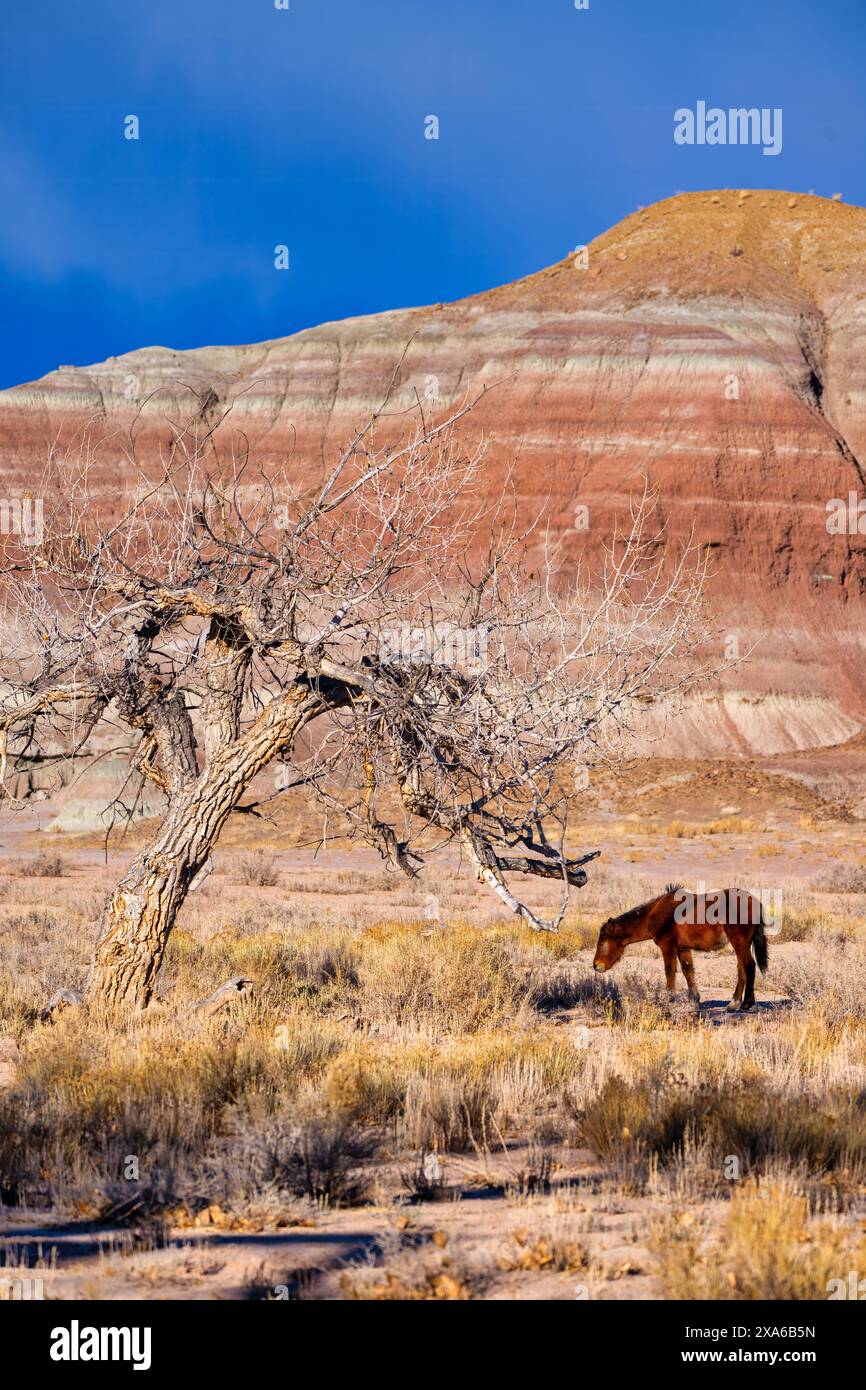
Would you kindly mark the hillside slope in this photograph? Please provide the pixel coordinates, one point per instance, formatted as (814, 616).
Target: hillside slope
(714, 345)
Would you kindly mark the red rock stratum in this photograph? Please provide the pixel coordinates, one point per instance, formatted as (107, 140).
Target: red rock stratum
(712, 345)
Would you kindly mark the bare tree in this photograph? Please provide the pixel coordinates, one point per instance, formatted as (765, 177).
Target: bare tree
(444, 686)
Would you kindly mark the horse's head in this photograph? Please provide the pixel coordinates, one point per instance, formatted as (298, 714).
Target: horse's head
(610, 946)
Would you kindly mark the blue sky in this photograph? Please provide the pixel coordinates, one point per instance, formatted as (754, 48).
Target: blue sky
(305, 127)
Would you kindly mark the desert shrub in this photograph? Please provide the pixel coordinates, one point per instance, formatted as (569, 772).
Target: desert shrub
(74, 1116)
(317, 963)
(48, 863)
(531, 1175)
(769, 1247)
(799, 925)
(17, 1012)
(646, 1115)
(459, 981)
(514, 1077)
(305, 1047)
(367, 1083)
(841, 878)
(831, 986)
(747, 1121)
(302, 970)
(563, 986)
(449, 1114)
(529, 1083)
(576, 934)
(815, 924)
(206, 1119)
(312, 1151)
(724, 825)
(555, 1247)
(258, 870)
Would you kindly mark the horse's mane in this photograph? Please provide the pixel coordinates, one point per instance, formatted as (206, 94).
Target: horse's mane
(642, 907)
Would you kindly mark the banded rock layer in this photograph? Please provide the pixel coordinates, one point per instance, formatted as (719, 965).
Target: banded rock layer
(712, 345)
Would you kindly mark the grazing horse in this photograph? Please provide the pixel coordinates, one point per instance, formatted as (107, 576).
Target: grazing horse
(679, 923)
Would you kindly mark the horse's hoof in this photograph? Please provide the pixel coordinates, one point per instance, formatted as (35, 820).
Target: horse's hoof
(733, 1007)
(748, 1008)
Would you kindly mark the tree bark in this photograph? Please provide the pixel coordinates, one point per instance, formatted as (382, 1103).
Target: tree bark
(141, 912)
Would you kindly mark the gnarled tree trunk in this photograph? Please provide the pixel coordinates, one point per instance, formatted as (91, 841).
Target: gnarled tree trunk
(141, 912)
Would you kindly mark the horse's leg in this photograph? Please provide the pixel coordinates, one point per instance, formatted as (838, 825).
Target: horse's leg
(741, 940)
(741, 985)
(741, 948)
(737, 937)
(688, 969)
(749, 964)
(669, 955)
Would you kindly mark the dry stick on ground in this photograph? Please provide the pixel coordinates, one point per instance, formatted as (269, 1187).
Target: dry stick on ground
(222, 615)
(237, 987)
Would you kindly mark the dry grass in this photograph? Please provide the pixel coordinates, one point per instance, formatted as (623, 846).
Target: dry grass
(258, 870)
(750, 1121)
(841, 878)
(771, 1245)
(553, 1248)
(723, 825)
(48, 863)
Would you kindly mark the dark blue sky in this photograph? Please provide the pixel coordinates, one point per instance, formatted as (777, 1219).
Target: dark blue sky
(305, 127)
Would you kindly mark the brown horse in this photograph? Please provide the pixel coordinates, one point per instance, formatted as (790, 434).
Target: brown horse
(679, 923)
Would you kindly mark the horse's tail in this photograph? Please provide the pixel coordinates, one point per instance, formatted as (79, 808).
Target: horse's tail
(759, 943)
